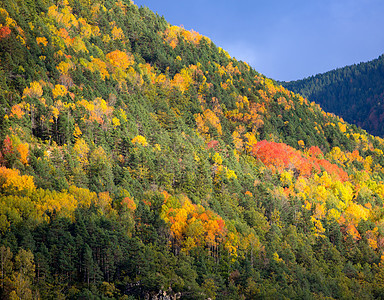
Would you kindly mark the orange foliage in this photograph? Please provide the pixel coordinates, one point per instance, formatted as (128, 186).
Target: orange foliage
(63, 33)
(129, 204)
(351, 230)
(120, 59)
(172, 33)
(23, 150)
(212, 144)
(4, 32)
(192, 225)
(315, 151)
(42, 41)
(331, 169)
(17, 111)
(192, 36)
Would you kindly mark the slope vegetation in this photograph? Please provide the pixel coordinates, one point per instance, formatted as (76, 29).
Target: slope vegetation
(138, 160)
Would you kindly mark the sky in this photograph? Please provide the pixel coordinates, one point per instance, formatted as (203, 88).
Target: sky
(284, 39)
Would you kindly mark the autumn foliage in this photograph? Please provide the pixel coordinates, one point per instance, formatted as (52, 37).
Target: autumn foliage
(4, 32)
(279, 156)
(139, 160)
(192, 225)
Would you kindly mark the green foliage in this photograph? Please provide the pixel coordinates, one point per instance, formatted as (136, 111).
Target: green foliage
(353, 92)
(138, 160)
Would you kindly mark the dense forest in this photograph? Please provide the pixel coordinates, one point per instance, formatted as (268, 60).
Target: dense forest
(355, 93)
(140, 161)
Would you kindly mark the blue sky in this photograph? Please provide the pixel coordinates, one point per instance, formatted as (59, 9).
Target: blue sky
(285, 40)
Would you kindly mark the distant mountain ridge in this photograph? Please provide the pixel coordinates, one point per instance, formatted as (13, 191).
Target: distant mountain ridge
(355, 93)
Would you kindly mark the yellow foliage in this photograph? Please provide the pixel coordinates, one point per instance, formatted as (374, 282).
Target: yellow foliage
(318, 227)
(12, 182)
(344, 191)
(83, 196)
(183, 79)
(78, 45)
(104, 201)
(99, 65)
(77, 132)
(217, 159)
(208, 117)
(139, 139)
(117, 33)
(230, 173)
(81, 149)
(115, 122)
(86, 30)
(368, 164)
(286, 177)
(276, 257)
(319, 212)
(237, 140)
(355, 212)
(98, 111)
(333, 214)
(251, 141)
(302, 188)
(337, 155)
(35, 90)
(55, 112)
(307, 205)
(192, 36)
(123, 115)
(64, 67)
(342, 127)
(59, 91)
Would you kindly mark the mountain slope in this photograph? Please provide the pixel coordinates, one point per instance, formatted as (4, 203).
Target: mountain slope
(353, 92)
(138, 160)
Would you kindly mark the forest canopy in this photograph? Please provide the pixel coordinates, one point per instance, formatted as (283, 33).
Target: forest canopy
(139, 160)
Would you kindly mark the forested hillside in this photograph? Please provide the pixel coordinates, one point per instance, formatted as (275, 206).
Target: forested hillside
(140, 161)
(355, 93)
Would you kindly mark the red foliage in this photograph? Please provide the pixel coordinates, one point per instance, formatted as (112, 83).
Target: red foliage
(4, 32)
(280, 156)
(212, 144)
(6, 151)
(332, 169)
(7, 146)
(315, 151)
